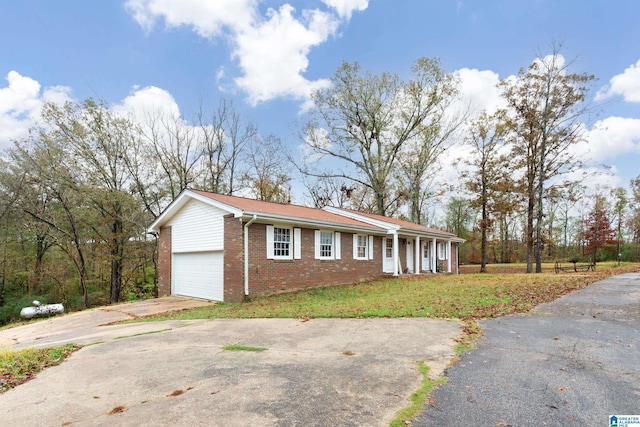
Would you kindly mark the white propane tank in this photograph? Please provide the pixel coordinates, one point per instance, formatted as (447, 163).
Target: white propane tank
(41, 310)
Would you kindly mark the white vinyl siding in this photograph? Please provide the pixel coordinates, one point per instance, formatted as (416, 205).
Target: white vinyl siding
(199, 275)
(198, 227)
(327, 245)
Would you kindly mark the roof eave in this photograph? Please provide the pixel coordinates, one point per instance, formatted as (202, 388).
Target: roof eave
(182, 200)
(311, 223)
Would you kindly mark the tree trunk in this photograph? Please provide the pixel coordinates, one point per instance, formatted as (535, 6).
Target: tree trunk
(117, 259)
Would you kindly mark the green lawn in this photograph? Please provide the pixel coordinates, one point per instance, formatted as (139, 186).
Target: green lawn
(464, 296)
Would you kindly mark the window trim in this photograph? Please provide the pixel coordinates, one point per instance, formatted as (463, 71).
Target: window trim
(357, 246)
(388, 247)
(271, 243)
(335, 245)
(442, 250)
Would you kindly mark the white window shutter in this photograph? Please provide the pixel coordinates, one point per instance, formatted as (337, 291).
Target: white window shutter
(269, 241)
(370, 247)
(316, 244)
(338, 243)
(355, 246)
(297, 243)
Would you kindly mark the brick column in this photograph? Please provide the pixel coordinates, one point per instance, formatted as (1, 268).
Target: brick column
(164, 262)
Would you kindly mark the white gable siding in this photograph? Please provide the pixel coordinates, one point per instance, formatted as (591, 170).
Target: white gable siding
(197, 227)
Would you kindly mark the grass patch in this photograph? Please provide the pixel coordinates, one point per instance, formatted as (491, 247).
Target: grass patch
(471, 334)
(418, 397)
(238, 347)
(464, 296)
(142, 333)
(19, 366)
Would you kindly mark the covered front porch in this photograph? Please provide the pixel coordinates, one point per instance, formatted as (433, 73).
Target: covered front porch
(407, 254)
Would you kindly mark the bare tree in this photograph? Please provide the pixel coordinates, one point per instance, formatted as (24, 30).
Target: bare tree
(176, 150)
(363, 120)
(491, 176)
(224, 139)
(268, 176)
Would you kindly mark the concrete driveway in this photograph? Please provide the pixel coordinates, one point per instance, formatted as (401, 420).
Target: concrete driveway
(88, 326)
(571, 362)
(321, 372)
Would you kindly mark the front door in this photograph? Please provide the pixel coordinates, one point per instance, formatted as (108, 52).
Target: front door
(387, 255)
(426, 256)
(409, 256)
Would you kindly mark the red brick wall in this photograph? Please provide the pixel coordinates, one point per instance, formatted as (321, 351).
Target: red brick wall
(267, 275)
(164, 262)
(233, 259)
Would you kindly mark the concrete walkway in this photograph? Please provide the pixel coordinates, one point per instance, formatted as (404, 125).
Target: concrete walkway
(320, 372)
(572, 362)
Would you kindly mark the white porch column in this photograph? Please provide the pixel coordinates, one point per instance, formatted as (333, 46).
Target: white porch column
(434, 255)
(449, 256)
(396, 253)
(416, 263)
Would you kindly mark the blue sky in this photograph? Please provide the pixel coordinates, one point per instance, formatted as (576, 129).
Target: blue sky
(268, 55)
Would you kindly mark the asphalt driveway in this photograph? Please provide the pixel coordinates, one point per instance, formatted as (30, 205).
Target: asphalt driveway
(572, 362)
(320, 372)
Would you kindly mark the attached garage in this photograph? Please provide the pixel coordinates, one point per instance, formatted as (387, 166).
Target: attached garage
(199, 275)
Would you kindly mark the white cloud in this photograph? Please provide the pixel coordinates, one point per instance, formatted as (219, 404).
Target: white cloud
(273, 54)
(479, 91)
(626, 85)
(20, 105)
(318, 138)
(345, 8)
(147, 103)
(610, 138)
(271, 50)
(207, 18)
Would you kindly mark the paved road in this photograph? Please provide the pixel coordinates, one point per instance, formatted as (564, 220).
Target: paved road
(572, 362)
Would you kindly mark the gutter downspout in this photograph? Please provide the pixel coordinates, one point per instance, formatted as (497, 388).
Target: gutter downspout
(246, 254)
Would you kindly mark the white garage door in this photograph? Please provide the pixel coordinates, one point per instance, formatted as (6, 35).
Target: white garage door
(199, 275)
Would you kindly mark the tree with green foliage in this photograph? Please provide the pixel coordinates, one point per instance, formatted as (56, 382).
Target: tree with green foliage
(97, 142)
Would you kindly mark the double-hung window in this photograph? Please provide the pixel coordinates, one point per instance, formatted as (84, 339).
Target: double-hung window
(362, 246)
(388, 250)
(327, 244)
(283, 242)
(442, 250)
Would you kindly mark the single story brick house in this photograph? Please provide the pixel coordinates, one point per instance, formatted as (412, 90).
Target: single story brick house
(226, 248)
